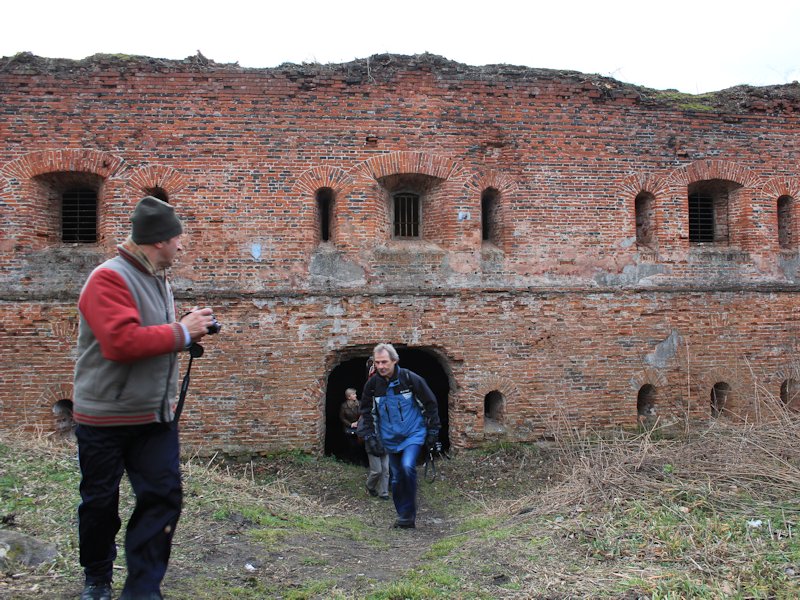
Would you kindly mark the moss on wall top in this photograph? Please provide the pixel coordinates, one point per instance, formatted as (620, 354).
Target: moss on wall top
(383, 68)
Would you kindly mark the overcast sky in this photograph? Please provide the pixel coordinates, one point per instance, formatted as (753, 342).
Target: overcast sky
(694, 46)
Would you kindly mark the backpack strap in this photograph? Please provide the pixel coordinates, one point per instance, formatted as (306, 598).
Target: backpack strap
(408, 382)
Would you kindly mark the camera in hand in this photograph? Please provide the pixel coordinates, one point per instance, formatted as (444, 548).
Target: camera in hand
(214, 327)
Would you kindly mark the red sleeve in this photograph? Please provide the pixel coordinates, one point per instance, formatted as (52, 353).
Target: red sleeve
(111, 312)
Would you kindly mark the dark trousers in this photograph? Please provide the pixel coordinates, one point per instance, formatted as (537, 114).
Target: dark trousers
(150, 456)
(403, 471)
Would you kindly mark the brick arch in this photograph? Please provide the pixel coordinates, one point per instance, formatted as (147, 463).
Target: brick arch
(155, 176)
(490, 383)
(650, 376)
(306, 187)
(445, 182)
(52, 394)
(782, 186)
(396, 163)
(26, 167)
(774, 382)
(502, 182)
(43, 418)
(790, 370)
(703, 170)
(629, 189)
(499, 216)
(740, 381)
(321, 177)
(632, 186)
(5, 190)
(65, 331)
(730, 374)
(314, 398)
(37, 216)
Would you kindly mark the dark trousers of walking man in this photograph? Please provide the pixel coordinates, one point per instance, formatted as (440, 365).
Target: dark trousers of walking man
(150, 456)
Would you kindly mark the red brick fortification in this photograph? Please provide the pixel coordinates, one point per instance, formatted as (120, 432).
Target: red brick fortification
(548, 248)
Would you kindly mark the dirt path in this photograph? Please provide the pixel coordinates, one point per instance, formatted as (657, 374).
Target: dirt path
(291, 527)
(356, 557)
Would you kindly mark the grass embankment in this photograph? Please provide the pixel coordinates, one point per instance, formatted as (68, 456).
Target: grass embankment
(710, 515)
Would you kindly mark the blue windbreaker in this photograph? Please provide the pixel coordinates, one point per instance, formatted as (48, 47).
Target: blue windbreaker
(400, 410)
(399, 418)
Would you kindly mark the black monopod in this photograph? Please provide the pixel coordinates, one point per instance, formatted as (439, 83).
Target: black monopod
(430, 460)
(195, 351)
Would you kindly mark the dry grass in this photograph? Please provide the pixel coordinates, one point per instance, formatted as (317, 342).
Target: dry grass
(712, 514)
(724, 462)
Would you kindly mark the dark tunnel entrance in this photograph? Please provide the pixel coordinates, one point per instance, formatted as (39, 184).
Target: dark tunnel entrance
(353, 373)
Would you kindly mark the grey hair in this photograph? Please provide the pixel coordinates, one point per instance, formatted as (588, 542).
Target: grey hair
(349, 391)
(389, 349)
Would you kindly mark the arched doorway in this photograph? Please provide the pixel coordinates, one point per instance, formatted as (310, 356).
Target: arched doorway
(352, 372)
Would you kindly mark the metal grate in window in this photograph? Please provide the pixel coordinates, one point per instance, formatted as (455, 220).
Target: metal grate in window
(79, 216)
(406, 215)
(701, 217)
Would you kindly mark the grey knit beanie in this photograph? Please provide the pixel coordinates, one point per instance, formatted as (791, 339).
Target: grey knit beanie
(154, 221)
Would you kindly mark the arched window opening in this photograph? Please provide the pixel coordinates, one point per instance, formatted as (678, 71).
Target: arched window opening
(72, 212)
(158, 192)
(411, 198)
(62, 414)
(790, 394)
(786, 222)
(79, 216)
(489, 207)
(645, 221)
(406, 215)
(493, 406)
(325, 213)
(646, 404)
(709, 208)
(494, 413)
(720, 395)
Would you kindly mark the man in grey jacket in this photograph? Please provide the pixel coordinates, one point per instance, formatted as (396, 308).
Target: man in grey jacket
(125, 389)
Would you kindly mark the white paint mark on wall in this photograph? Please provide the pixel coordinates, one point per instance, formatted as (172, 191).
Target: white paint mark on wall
(664, 351)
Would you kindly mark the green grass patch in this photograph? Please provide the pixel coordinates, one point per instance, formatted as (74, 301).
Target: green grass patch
(444, 547)
(210, 588)
(313, 589)
(478, 523)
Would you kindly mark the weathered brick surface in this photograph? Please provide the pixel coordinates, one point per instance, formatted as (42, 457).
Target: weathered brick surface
(565, 315)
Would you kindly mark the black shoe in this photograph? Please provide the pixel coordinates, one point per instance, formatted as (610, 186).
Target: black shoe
(384, 497)
(371, 492)
(96, 591)
(403, 524)
(145, 596)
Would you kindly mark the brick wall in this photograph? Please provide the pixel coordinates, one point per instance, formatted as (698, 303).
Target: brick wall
(562, 312)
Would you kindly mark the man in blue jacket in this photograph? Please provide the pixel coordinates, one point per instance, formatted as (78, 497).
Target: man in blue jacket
(399, 414)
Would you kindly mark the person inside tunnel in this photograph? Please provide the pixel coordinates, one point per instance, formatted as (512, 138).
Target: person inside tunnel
(352, 372)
